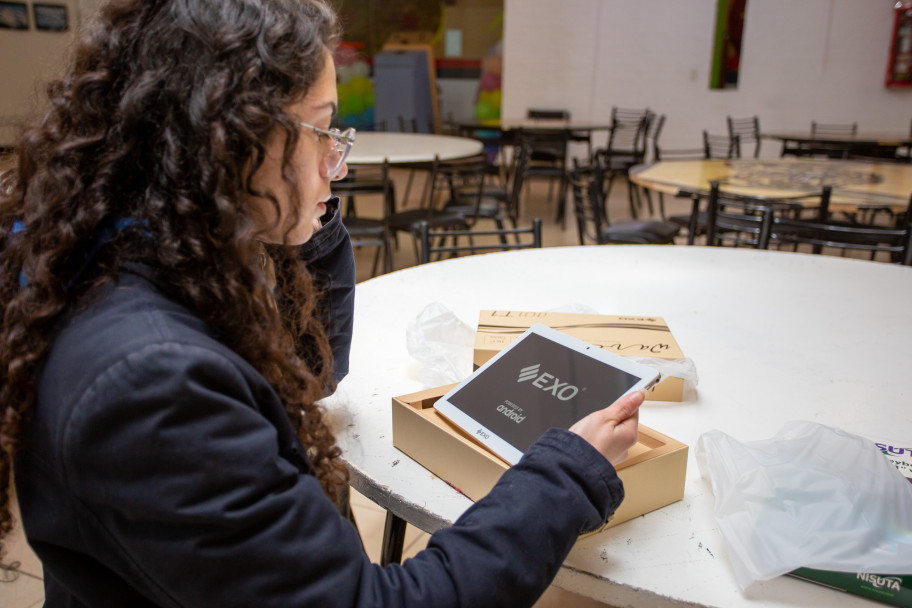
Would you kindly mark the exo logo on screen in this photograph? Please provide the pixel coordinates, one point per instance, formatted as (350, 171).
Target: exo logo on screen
(562, 390)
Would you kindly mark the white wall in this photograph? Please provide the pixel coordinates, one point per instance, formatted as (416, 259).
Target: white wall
(801, 60)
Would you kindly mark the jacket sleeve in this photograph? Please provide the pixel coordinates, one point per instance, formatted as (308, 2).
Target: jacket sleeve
(331, 260)
(186, 493)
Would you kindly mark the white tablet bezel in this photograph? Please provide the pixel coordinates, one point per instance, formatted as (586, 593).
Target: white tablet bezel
(648, 377)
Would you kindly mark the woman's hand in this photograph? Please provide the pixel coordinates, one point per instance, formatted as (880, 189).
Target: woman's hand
(613, 430)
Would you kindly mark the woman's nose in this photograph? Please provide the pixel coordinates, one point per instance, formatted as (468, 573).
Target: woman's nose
(342, 173)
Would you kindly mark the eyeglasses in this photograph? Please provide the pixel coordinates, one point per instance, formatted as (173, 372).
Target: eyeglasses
(342, 144)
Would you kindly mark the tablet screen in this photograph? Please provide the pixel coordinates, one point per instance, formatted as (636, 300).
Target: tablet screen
(535, 384)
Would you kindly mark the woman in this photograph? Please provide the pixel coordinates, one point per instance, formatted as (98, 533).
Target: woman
(165, 343)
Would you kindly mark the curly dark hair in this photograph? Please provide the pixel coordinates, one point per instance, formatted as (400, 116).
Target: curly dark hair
(161, 118)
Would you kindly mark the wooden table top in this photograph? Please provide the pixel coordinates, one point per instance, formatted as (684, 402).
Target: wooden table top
(863, 139)
(862, 183)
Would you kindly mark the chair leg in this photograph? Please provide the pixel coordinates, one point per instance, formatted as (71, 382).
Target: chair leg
(645, 192)
(377, 255)
(415, 247)
(550, 188)
(393, 540)
(561, 213)
(693, 226)
(388, 253)
(632, 199)
(606, 190)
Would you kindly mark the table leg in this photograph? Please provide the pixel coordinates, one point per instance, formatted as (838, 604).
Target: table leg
(393, 540)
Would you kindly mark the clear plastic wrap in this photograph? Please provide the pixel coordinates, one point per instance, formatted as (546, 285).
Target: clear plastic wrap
(442, 343)
(812, 496)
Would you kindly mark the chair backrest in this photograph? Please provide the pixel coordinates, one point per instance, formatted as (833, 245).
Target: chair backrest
(586, 188)
(628, 131)
(546, 146)
(747, 130)
(433, 242)
(458, 182)
(547, 114)
(365, 181)
(407, 126)
(522, 152)
(818, 128)
(368, 231)
(629, 116)
(896, 241)
(721, 146)
(654, 133)
(741, 220)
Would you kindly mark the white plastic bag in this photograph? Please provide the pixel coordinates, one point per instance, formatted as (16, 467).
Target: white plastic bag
(812, 496)
(442, 343)
(679, 368)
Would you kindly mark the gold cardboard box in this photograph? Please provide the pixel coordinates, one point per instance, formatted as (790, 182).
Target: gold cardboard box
(622, 335)
(653, 473)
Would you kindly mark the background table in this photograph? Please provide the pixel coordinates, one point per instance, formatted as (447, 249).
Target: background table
(775, 336)
(879, 184)
(536, 124)
(884, 144)
(373, 147)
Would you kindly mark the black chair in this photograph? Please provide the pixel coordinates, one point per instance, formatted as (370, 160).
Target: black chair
(503, 200)
(547, 159)
(584, 137)
(471, 242)
(835, 150)
(547, 114)
(441, 185)
(592, 220)
(721, 146)
(629, 116)
(747, 130)
(466, 192)
(496, 142)
(411, 125)
(714, 147)
(825, 231)
(818, 128)
(741, 220)
(823, 148)
(626, 148)
(368, 231)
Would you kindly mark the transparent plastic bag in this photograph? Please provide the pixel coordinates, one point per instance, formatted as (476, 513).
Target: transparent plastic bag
(679, 368)
(442, 343)
(812, 496)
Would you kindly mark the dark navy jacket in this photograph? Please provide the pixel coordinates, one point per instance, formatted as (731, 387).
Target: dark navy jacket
(159, 469)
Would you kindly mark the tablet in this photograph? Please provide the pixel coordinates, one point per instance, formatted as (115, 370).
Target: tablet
(543, 379)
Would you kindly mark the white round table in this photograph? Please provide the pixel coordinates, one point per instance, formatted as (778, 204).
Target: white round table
(775, 336)
(373, 147)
